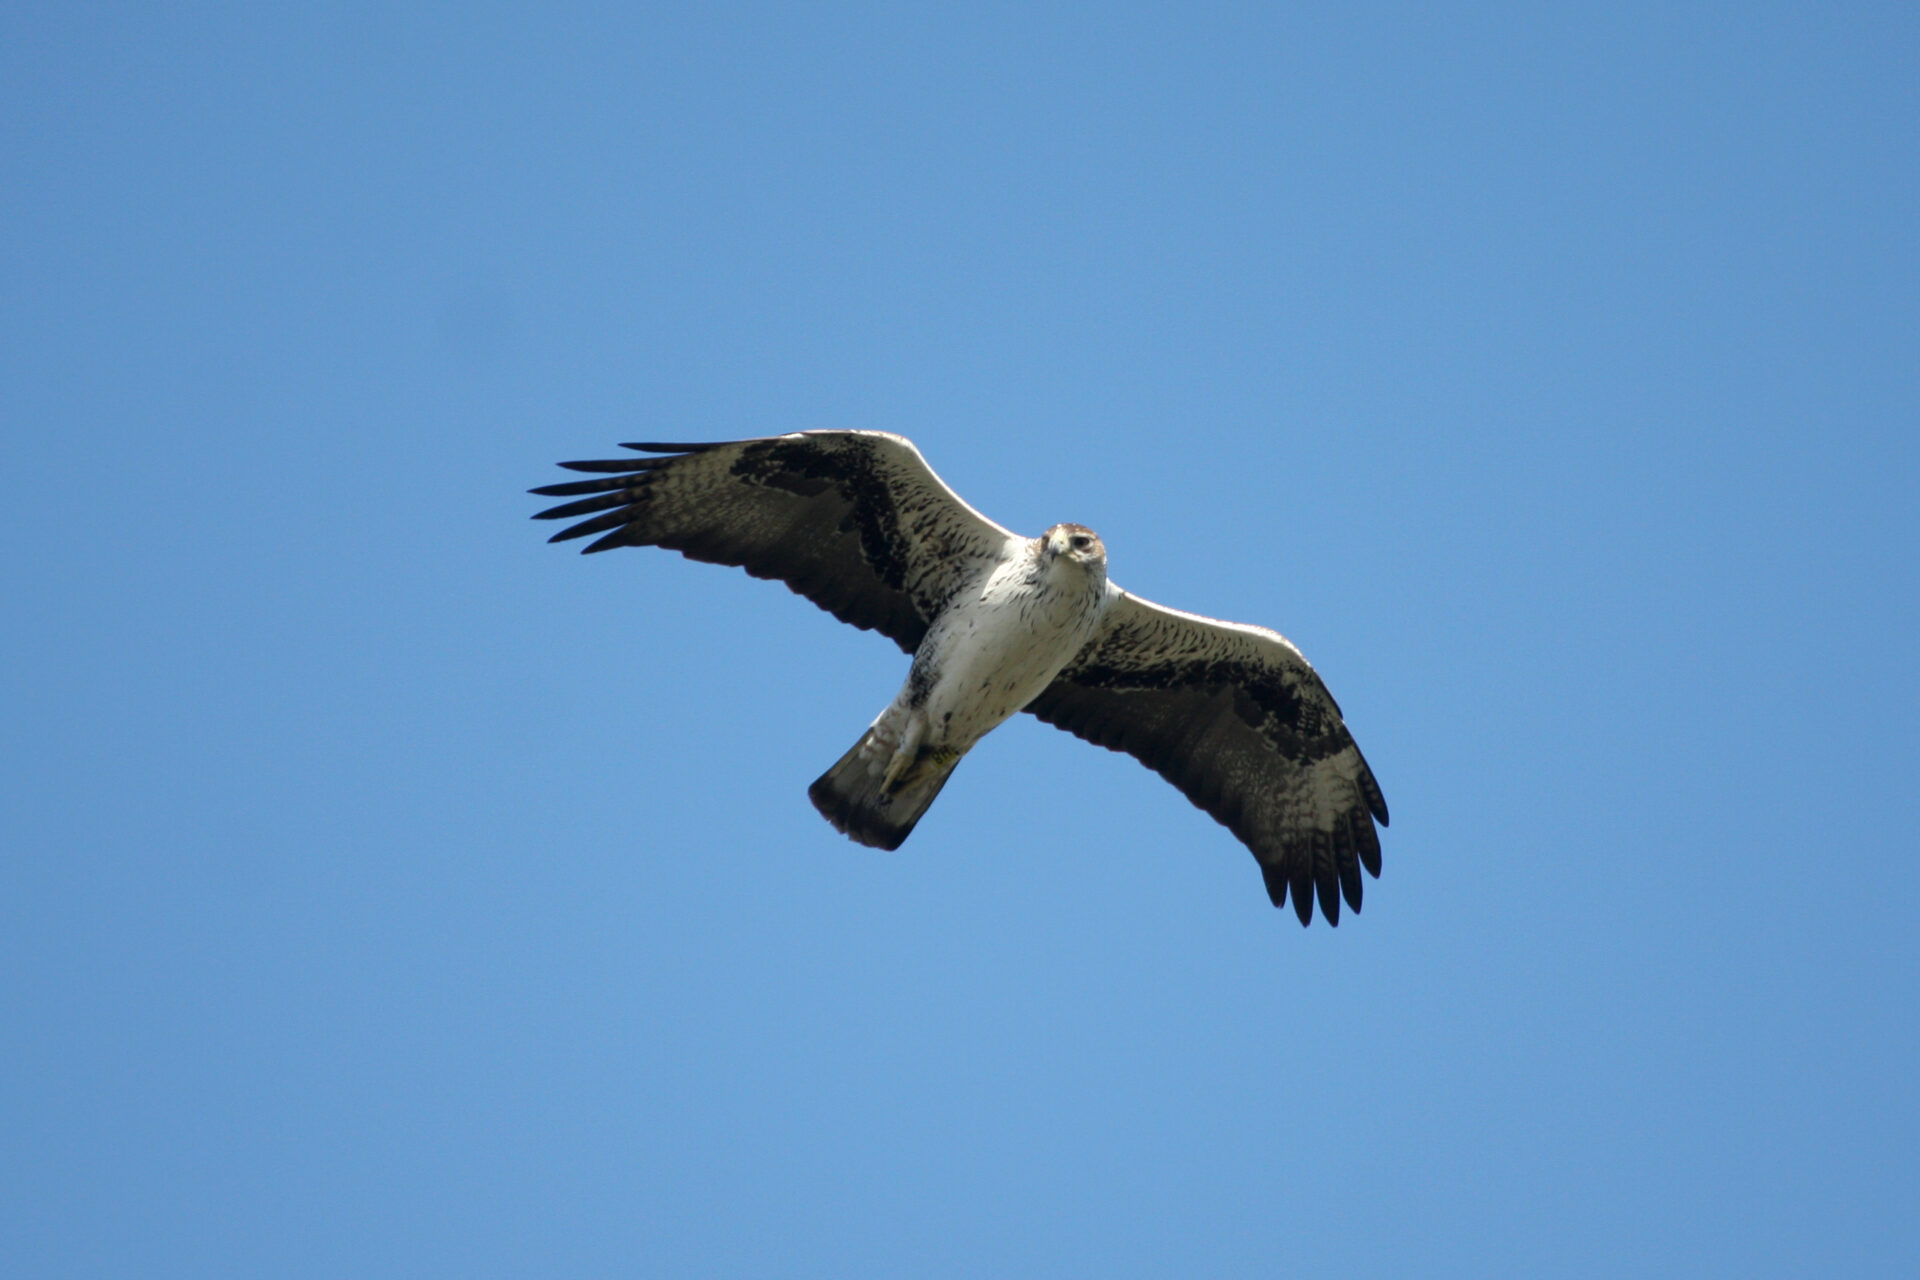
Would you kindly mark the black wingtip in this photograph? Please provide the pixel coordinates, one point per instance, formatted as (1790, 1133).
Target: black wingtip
(1367, 845)
(625, 466)
(659, 447)
(1351, 885)
(618, 538)
(586, 506)
(1276, 882)
(616, 520)
(608, 484)
(1376, 799)
(1280, 885)
(1300, 883)
(1328, 889)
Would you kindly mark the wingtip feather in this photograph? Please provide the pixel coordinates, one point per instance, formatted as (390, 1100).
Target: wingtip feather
(1327, 889)
(618, 538)
(618, 520)
(585, 506)
(1276, 882)
(625, 466)
(568, 488)
(656, 446)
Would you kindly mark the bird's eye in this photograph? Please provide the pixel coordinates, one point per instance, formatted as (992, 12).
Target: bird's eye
(1081, 542)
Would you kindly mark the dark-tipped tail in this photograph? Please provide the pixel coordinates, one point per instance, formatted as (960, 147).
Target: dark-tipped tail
(853, 796)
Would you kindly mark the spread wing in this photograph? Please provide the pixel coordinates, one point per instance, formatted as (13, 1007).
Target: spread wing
(1234, 717)
(855, 521)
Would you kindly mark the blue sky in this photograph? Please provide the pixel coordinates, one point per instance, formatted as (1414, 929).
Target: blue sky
(388, 893)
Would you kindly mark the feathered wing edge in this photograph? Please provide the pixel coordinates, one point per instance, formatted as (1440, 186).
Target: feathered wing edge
(1236, 719)
(855, 521)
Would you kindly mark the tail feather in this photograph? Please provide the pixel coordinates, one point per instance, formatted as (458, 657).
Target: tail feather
(853, 795)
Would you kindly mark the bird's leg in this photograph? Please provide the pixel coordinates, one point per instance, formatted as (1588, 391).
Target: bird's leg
(906, 755)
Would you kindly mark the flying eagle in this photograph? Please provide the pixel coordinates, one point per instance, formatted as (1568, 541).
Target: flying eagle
(858, 523)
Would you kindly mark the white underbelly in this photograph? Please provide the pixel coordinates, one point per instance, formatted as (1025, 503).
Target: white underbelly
(990, 659)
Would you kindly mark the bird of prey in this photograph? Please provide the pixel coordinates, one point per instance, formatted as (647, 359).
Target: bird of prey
(858, 523)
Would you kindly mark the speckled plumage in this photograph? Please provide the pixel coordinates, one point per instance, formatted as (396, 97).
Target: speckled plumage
(858, 523)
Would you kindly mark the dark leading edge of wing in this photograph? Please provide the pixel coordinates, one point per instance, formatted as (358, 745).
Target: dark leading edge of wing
(854, 521)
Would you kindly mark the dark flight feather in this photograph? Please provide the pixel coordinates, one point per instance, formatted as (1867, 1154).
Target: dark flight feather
(1237, 720)
(854, 521)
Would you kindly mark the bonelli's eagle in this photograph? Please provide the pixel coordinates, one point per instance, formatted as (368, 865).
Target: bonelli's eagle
(857, 522)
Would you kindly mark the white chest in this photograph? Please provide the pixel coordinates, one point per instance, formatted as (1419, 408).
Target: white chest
(993, 651)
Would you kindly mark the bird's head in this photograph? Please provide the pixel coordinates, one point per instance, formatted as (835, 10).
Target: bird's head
(1076, 544)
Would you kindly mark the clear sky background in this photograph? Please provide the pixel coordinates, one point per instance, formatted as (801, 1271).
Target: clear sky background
(387, 893)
